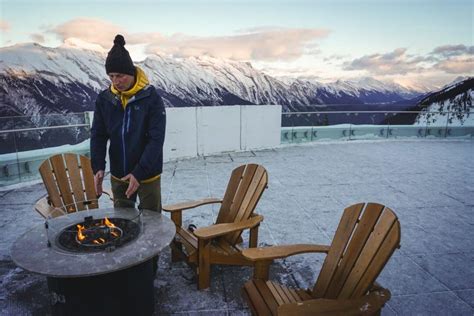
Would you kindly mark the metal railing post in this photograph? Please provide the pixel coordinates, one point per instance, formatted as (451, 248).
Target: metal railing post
(446, 127)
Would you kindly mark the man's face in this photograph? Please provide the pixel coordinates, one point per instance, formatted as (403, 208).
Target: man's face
(121, 82)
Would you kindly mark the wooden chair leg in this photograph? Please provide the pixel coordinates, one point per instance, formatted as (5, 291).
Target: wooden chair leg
(177, 248)
(176, 252)
(204, 265)
(262, 269)
(253, 240)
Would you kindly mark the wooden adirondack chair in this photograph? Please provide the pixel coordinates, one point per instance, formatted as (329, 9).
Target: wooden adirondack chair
(69, 181)
(365, 239)
(218, 243)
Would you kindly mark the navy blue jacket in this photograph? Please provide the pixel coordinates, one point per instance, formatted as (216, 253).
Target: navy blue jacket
(136, 134)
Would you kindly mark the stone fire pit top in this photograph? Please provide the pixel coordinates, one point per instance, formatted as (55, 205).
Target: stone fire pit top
(30, 251)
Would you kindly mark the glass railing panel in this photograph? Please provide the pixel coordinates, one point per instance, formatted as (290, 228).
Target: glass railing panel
(296, 127)
(369, 125)
(404, 124)
(9, 173)
(330, 125)
(41, 121)
(349, 125)
(287, 123)
(24, 150)
(339, 131)
(436, 125)
(460, 124)
(368, 131)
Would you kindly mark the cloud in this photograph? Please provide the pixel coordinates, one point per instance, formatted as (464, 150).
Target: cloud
(89, 30)
(38, 38)
(450, 59)
(457, 65)
(263, 43)
(269, 44)
(335, 58)
(395, 62)
(4, 26)
(453, 50)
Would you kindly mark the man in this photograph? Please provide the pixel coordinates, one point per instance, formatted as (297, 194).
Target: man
(130, 114)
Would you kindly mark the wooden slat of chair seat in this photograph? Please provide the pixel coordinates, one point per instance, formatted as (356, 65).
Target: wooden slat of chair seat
(303, 294)
(367, 305)
(187, 237)
(189, 242)
(223, 248)
(266, 296)
(260, 303)
(296, 297)
(284, 294)
(220, 254)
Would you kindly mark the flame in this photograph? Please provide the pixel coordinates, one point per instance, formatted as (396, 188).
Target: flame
(99, 241)
(108, 223)
(80, 235)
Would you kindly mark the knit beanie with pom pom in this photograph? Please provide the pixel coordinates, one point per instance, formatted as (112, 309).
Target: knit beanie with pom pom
(118, 60)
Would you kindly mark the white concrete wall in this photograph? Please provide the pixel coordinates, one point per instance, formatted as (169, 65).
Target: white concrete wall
(181, 136)
(218, 129)
(193, 131)
(260, 126)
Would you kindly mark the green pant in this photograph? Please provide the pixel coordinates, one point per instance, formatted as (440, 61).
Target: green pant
(149, 194)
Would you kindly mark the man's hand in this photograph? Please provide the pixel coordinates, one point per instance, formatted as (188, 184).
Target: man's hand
(98, 178)
(132, 185)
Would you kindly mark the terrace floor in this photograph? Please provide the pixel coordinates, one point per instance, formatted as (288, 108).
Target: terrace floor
(428, 183)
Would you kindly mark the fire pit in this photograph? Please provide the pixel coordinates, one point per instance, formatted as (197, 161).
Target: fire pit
(97, 262)
(98, 234)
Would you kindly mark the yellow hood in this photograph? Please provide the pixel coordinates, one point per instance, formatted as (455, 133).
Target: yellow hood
(140, 83)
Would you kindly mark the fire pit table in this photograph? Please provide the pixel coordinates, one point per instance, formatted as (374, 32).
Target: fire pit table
(97, 262)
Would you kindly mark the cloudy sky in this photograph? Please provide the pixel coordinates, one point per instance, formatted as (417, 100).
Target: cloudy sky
(419, 42)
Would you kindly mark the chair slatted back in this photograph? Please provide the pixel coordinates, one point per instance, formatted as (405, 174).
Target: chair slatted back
(243, 192)
(365, 239)
(68, 179)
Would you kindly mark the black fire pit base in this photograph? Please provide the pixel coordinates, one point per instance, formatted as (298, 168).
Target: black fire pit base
(125, 292)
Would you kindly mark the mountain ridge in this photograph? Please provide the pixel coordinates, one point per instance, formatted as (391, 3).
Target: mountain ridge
(68, 78)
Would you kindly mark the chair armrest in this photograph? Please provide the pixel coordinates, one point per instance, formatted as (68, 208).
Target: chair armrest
(276, 252)
(366, 305)
(225, 228)
(109, 193)
(42, 206)
(190, 204)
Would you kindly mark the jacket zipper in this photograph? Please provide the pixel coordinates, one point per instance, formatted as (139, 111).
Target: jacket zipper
(124, 126)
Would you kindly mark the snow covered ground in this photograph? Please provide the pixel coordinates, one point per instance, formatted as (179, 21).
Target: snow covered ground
(428, 183)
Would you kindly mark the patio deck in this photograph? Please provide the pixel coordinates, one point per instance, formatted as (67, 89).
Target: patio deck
(428, 183)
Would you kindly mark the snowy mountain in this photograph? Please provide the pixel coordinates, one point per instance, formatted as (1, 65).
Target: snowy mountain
(456, 98)
(36, 79)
